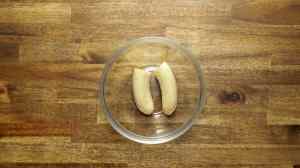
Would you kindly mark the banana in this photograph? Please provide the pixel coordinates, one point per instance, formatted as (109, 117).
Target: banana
(141, 91)
(168, 88)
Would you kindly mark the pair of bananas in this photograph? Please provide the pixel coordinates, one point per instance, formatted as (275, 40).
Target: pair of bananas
(142, 92)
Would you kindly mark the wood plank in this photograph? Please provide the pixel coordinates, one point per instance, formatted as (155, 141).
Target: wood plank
(211, 116)
(246, 28)
(113, 32)
(240, 42)
(50, 72)
(252, 128)
(103, 133)
(275, 12)
(261, 134)
(243, 126)
(101, 50)
(239, 123)
(11, 39)
(65, 165)
(97, 46)
(289, 59)
(185, 153)
(157, 12)
(194, 165)
(5, 87)
(284, 98)
(34, 139)
(39, 50)
(49, 92)
(40, 101)
(284, 106)
(57, 31)
(9, 52)
(265, 48)
(36, 129)
(36, 1)
(48, 112)
(127, 30)
(35, 13)
(205, 42)
(134, 165)
(48, 31)
(285, 75)
(32, 112)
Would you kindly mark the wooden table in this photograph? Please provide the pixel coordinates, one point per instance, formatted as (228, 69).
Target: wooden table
(52, 53)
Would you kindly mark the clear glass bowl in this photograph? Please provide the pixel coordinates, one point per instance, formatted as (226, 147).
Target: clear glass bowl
(116, 95)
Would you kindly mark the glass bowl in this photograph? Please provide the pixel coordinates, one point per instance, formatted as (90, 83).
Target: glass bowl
(116, 95)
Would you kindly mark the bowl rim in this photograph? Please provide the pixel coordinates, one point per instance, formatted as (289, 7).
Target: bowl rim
(164, 137)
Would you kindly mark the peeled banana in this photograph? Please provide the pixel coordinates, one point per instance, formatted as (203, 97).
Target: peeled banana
(141, 91)
(168, 88)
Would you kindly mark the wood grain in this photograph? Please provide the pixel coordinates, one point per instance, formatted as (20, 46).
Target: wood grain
(9, 52)
(35, 129)
(202, 134)
(143, 165)
(48, 93)
(205, 154)
(153, 12)
(284, 93)
(284, 107)
(52, 53)
(269, 11)
(35, 13)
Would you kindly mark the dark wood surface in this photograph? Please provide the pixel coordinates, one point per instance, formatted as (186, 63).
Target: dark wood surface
(52, 53)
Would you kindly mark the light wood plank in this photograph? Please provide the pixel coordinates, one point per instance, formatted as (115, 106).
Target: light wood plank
(284, 106)
(268, 11)
(133, 165)
(36, 129)
(215, 43)
(189, 153)
(35, 13)
(34, 139)
(157, 12)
